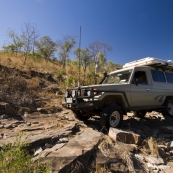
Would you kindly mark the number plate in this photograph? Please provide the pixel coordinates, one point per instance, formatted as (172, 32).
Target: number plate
(69, 100)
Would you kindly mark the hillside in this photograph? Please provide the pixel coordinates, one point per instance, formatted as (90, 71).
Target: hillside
(30, 102)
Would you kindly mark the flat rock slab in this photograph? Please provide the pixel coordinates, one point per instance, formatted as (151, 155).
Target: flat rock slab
(81, 143)
(79, 147)
(165, 169)
(154, 160)
(124, 136)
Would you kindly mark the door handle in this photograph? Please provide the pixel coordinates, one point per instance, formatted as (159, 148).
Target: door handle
(148, 89)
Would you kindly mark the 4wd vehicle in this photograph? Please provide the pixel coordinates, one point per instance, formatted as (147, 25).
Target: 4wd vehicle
(141, 86)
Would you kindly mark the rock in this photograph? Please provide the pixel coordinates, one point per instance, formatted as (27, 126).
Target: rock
(8, 126)
(4, 116)
(118, 167)
(139, 157)
(63, 140)
(154, 160)
(53, 109)
(162, 146)
(42, 110)
(168, 129)
(28, 124)
(1, 126)
(48, 145)
(165, 168)
(151, 166)
(25, 115)
(170, 164)
(171, 153)
(38, 150)
(162, 152)
(8, 108)
(124, 136)
(170, 145)
(23, 110)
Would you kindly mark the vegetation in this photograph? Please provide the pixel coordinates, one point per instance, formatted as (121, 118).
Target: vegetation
(86, 68)
(14, 158)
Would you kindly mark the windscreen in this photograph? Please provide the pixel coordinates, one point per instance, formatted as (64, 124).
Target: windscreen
(119, 77)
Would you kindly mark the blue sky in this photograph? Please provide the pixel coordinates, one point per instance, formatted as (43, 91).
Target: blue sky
(134, 28)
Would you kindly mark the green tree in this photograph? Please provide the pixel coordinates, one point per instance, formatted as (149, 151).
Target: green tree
(85, 59)
(16, 43)
(46, 47)
(64, 48)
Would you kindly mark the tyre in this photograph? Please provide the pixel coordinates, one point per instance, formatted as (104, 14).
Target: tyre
(81, 115)
(168, 108)
(140, 114)
(111, 116)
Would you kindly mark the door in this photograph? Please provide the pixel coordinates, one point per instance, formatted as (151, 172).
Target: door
(141, 92)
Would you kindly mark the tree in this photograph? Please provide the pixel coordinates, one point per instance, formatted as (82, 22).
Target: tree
(98, 47)
(28, 37)
(110, 66)
(64, 48)
(85, 58)
(16, 44)
(46, 47)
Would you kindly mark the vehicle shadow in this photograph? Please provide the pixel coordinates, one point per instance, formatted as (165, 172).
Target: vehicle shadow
(146, 127)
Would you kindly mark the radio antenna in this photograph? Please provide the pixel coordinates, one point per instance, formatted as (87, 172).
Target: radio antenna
(79, 58)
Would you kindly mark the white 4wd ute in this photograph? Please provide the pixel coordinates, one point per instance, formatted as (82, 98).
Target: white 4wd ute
(141, 86)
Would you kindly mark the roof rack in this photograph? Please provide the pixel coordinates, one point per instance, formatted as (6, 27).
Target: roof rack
(153, 62)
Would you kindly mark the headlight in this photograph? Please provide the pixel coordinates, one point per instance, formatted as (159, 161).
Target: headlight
(89, 93)
(73, 93)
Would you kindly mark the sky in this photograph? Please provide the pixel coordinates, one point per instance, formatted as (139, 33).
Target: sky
(135, 29)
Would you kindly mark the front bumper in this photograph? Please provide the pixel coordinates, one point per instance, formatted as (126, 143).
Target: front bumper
(80, 99)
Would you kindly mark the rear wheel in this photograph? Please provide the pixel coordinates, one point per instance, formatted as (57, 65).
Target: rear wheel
(81, 115)
(111, 117)
(168, 108)
(140, 114)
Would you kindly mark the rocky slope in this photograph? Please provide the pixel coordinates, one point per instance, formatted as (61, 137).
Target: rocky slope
(70, 145)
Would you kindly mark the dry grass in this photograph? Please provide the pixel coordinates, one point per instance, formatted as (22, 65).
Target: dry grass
(33, 83)
(12, 61)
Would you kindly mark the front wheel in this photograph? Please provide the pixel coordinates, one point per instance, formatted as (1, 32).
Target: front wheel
(168, 108)
(81, 115)
(111, 117)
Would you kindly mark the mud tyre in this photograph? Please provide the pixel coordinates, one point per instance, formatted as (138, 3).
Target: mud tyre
(111, 116)
(168, 108)
(140, 114)
(81, 115)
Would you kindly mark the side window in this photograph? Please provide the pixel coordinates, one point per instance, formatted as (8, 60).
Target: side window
(158, 76)
(169, 77)
(140, 76)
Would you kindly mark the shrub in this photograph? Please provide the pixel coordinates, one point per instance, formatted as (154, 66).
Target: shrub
(15, 158)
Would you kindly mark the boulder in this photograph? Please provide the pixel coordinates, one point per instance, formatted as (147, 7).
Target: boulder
(7, 108)
(124, 136)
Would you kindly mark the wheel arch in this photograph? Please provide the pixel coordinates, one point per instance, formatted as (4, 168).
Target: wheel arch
(115, 99)
(168, 98)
